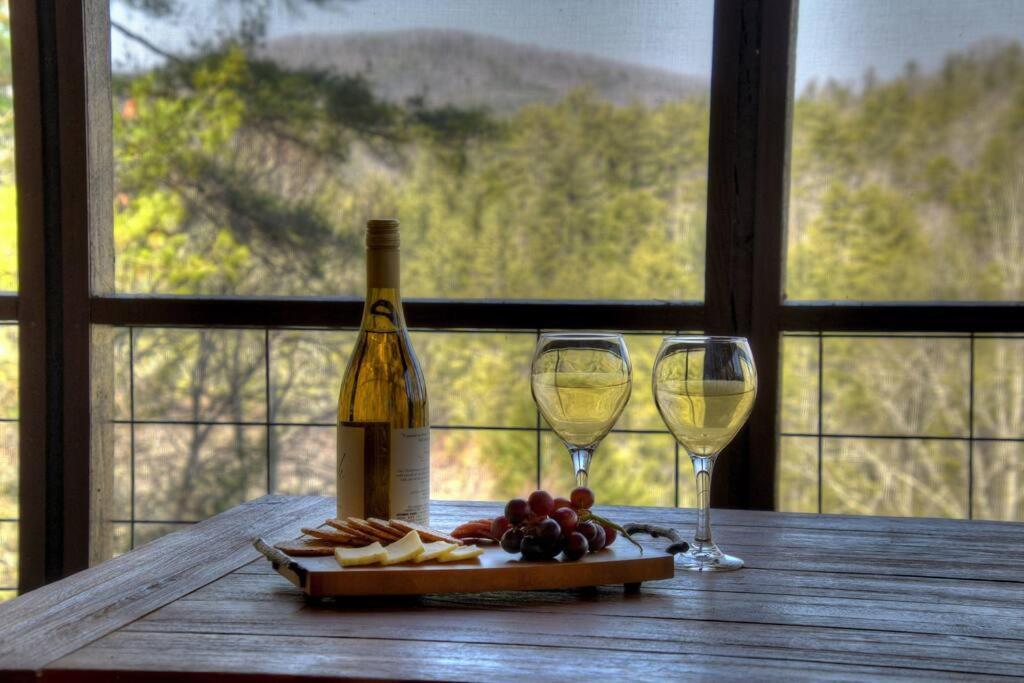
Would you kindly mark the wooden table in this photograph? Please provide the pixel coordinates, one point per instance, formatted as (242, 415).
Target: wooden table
(822, 597)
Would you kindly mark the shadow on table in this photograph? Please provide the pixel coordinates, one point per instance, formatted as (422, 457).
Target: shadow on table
(501, 599)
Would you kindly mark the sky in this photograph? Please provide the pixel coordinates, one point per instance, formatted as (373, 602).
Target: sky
(837, 39)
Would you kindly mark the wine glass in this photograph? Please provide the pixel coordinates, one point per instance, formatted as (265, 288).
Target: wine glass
(581, 382)
(704, 388)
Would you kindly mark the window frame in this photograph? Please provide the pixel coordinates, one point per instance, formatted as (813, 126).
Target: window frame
(66, 303)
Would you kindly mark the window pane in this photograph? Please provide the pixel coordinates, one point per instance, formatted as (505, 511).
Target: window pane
(899, 477)
(306, 368)
(200, 375)
(121, 506)
(906, 183)
(8, 470)
(9, 454)
(8, 333)
(896, 437)
(628, 469)
(303, 460)
(121, 538)
(896, 386)
(799, 405)
(191, 472)
(8, 556)
(999, 388)
(797, 489)
(553, 150)
(999, 481)
(479, 379)
(122, 373)
(8, 192)
(641, 412)
(474, 464)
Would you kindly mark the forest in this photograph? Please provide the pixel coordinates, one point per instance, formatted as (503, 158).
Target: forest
(239, 175)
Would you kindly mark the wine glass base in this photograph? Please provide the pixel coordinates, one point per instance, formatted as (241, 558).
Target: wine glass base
(706, 557)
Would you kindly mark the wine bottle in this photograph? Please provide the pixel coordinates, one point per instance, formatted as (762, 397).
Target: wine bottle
(383, 417)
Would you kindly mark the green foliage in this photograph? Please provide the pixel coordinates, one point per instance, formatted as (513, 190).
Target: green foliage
(869, 232)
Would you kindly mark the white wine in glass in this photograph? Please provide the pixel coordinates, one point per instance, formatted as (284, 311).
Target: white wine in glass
(704, 388)
(581, 382)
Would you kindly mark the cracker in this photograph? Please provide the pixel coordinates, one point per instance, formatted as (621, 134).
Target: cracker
(425, 533)
(346, 528)
(306, 547)
(362, 525)
(383, 525)
(332, 536)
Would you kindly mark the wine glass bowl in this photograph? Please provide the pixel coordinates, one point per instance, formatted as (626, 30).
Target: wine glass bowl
(704, 388)
(581, 382)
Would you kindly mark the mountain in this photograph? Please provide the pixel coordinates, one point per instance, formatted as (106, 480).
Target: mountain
(470, 69)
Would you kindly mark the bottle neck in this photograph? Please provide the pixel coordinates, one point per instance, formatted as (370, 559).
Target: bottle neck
(383, 311)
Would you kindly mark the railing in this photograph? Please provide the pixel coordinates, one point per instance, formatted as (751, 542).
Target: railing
(261, 404)
(932, 419)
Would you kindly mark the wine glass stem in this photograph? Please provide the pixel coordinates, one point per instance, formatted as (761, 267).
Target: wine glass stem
(702, 466)
(581, 463)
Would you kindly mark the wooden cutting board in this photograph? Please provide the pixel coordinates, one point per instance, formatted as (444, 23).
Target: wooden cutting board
(495, 570)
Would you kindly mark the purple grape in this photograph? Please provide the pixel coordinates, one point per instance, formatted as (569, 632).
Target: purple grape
(598, 542)
(541, 503)
(499, 526)
(548, 530)
(516, 511)
(511, 541)
(609, 535)
(576, 546)
(588, 529)
(582, 498)
(566, 518)
(551, 546)
(532, 548)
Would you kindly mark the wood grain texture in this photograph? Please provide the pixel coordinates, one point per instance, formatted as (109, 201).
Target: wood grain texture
(52, 621)
(137, 656)
(822, 597)
(720, 619)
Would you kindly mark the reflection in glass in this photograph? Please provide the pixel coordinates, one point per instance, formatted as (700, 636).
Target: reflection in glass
(581, 382)
(705, 389)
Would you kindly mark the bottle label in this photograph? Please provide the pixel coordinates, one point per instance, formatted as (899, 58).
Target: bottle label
(383, 472)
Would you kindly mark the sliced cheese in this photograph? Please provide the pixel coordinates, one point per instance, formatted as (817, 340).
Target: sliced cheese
(404, 549)
(462, 552)
(368, 554)
(432, 551)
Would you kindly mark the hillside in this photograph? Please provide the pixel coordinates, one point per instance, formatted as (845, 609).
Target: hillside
(469, 69)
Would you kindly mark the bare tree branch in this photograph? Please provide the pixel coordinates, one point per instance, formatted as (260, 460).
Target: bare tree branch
(145, 42)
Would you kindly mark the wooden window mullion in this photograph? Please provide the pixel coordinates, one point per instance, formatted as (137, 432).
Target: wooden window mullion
(61, 68)
(750, 106)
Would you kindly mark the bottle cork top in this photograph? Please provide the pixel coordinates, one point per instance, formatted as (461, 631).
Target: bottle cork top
(382, 233)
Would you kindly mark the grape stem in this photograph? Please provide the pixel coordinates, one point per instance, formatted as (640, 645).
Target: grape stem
(588, 515)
